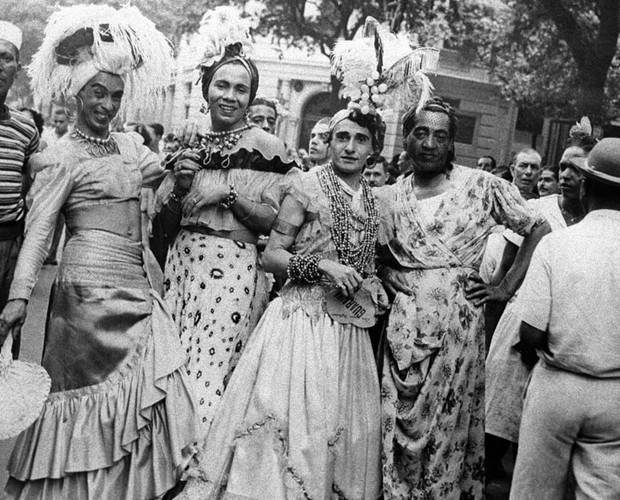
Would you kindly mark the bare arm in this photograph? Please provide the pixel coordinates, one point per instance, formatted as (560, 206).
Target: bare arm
(277, 256)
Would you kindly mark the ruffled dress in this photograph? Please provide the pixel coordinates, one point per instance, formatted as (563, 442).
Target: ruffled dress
(433, 371)
(214, 284)
(120, 420)
(506, 374)
(300, 418)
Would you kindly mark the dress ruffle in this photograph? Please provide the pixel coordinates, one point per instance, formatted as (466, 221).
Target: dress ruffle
(140, 415)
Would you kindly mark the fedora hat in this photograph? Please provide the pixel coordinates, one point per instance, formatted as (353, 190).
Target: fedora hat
(603, 162)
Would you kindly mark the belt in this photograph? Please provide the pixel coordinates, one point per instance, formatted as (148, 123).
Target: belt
(122, 218)
(11, 230)
(236, 235)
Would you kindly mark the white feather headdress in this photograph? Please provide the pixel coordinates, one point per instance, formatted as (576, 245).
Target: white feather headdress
(82, 40)
(220, 28)
(382, 71)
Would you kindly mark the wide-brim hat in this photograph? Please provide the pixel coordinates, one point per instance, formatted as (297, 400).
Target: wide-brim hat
(602, 163)
(24, 388)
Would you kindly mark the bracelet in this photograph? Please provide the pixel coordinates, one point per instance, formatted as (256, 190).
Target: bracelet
(250, 214)
(231, 198)
(304, 268)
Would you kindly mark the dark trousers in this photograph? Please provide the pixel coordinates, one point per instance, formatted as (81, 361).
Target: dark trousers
(9, 250)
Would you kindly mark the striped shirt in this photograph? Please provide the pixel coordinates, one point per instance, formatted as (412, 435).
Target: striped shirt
(19, 139)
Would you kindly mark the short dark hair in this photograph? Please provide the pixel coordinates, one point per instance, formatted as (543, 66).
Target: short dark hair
(435, 105)
(554, 169)
(263, 101)
(158, 128)
(493, 162)
(142, 130)
(372, 121)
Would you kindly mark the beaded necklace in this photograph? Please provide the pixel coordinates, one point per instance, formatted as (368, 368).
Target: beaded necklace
(356, 256)
(96, 146)
(226, 139)
(213, 142)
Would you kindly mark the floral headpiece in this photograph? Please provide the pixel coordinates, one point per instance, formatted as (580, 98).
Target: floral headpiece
(82, 40)
(581, 129)
(382, 71)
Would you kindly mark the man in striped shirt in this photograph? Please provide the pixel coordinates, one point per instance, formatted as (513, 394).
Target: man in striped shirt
(19, 139)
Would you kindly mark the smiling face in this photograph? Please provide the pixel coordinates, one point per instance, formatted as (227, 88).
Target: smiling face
(571, 179)
(98, 104)
(263, 116)
(429, 143)
(9, 66)
(229, 96)
(350, 146)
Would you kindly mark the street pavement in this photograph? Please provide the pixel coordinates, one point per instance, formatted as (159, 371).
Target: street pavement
(32, 345)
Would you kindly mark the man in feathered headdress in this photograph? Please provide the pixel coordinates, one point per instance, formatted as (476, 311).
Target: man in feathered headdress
(19, 139)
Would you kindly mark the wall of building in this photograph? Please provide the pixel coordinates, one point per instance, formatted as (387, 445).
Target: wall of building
(487, 120)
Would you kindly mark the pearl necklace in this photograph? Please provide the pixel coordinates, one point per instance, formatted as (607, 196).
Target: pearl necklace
(357, 256)
(96, 146)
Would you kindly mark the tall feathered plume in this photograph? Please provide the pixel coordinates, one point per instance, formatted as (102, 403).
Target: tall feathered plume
(381, 70)
(84, 39)
(221, 27)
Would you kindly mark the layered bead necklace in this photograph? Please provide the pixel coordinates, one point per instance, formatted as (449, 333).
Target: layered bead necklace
(218, 142)
(96, 146)
(226, 139)
(356, 256)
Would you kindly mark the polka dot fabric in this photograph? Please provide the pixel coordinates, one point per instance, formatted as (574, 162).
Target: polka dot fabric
(210, 287)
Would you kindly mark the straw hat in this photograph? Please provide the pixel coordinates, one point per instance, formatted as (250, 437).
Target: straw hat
(24, 388)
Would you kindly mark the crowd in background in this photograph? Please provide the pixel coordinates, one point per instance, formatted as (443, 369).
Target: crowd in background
(234, 318)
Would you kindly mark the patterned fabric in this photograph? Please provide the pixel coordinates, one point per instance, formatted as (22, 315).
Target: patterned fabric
(19, 140)
(210, 286)
(300, 418)
(433, 374)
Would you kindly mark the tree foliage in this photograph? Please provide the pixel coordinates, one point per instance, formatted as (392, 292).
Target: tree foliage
(557, 57)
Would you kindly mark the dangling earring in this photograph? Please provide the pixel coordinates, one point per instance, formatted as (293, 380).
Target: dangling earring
(204, 108)
(246, 116)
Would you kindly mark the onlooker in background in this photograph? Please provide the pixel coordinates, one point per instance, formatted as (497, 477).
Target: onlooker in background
(156, 131)
(319, 143)
(60, 127)
(404, 165)
(19, 140)
(486, 163)
(264, 114)
(570, 310)
(376, 174)
(548, 181)
(525, 171)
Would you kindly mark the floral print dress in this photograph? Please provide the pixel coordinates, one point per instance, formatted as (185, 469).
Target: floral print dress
(433, 371)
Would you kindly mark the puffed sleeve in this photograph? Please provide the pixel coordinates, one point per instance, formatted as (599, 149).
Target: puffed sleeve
(510, 209)
(52, 187)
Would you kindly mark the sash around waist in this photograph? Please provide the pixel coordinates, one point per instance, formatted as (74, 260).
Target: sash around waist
(121, 218)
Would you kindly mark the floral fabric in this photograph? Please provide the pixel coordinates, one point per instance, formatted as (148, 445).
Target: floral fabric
(433, 373)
